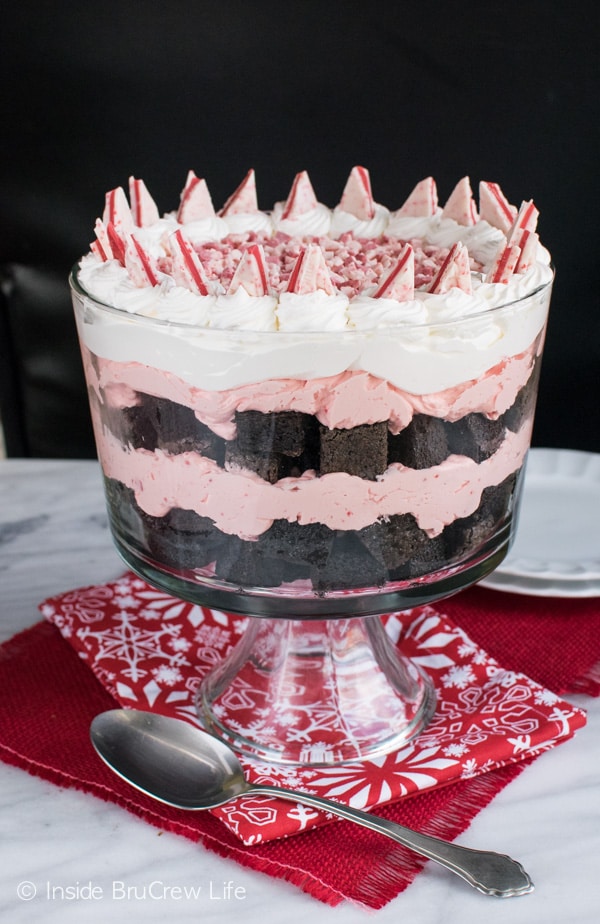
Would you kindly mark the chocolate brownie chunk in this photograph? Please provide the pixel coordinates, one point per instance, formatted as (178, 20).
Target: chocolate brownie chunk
(475, 436)
(406, 550)
(239, 562)
(429, 556)
(467, 534)
(280, 431)
(349, 565)
(422, 444)
(182, 539)
(309, 545)
(392, 540)
(308, 460)
(179, 430)
(132, 426)
(264, 464)
(123, 510)
(360, 451)
(523, 407)
(497, 500)
(188, 521)
(157, 423)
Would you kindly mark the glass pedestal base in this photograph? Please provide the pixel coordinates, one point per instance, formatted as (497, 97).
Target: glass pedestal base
(315, 693)
(315, 680)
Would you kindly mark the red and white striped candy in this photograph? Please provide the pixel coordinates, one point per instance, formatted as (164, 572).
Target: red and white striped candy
(526, 220)
(117, 243)
(117, 212)
(187, 270)
(461, 205)
(101, 246)
(422, 202)
(195, 203)
(357, 198)
(504, 264)
(528, 246)
(96, 248)
(455, 272)
(243, 201)
(301, 198)
(400, 283)
(251, 273)
(495, 208)
(143, 206)
(310, 273)
(139, 264)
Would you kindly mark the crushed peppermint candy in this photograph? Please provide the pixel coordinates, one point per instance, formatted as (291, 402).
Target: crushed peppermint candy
(354, 264)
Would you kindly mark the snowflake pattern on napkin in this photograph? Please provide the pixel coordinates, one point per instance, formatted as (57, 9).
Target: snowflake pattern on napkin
(151, 650)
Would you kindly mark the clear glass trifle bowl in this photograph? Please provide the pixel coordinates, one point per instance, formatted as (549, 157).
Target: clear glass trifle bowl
(314, 494)
(313, 417)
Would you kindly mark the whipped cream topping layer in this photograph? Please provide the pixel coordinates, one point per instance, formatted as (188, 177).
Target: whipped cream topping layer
(421, 360)
(194, 312)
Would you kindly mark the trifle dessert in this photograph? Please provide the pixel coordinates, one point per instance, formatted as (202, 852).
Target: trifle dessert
(313, 400)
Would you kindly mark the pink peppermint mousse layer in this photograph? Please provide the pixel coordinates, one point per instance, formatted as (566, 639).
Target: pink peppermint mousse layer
(243, 504)
(346, 400)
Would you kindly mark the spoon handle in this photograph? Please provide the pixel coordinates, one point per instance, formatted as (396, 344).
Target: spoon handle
(491, 873)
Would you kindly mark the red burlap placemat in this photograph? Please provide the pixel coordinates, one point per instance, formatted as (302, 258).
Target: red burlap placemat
(50, 696)
(552, 640)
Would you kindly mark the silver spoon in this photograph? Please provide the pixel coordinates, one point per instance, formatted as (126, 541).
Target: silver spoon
(183, 766)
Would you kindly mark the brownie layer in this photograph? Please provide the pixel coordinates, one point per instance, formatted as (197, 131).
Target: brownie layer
(284, 445)
(392, 549)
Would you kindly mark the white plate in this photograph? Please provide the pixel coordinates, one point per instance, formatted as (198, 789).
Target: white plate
(558, 534)
(557, 546)
(540, 588)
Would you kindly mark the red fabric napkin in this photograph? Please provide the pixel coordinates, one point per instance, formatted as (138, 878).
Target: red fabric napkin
(151, 650)
(44, 728)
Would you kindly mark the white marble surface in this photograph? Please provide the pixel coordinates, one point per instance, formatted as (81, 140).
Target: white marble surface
(62, 843)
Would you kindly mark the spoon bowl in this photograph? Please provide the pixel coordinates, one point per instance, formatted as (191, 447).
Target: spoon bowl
(175, 763)
(168, 759)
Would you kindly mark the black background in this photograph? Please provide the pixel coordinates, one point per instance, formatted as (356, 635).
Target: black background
(92, 93)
